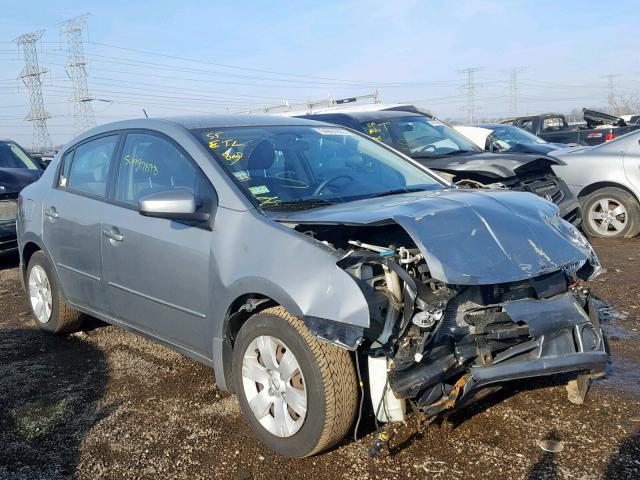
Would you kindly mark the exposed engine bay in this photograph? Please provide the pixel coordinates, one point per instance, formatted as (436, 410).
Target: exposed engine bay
(445, 343)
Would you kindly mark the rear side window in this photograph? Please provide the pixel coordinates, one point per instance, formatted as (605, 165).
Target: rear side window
(90, 167)
(63, 179)
(150, 164)
(552, 124)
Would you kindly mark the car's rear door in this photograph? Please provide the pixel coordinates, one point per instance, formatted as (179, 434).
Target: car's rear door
(158, 270)
(72, 220)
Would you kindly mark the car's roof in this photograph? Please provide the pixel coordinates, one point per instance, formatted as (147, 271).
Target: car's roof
(207, 121)
(195, 122)
(493, 125)
(366, 116)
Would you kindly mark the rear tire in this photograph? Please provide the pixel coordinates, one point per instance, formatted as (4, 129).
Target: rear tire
(610, 212)
(326, 381)
(47, 304)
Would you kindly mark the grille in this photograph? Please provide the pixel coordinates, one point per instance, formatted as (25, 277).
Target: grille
(8, 209)
(546, 187)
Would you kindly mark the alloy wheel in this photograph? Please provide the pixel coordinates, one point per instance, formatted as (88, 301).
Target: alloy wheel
(608, 217)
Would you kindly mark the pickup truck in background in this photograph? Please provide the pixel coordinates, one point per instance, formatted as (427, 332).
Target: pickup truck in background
(552, 127)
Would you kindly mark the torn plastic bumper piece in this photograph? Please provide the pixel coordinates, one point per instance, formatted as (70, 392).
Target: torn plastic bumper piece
(568, 339)
(341, 334)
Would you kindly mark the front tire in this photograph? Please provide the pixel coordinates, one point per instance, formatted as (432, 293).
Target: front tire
(611, 213)
(298, 394)
(47, 304)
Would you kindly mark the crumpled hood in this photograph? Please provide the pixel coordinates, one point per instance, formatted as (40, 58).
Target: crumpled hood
(15, 179)
(470, 237)
(498, 165)
(536, 148)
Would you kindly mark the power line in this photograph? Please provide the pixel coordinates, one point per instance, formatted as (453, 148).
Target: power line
(31, 76)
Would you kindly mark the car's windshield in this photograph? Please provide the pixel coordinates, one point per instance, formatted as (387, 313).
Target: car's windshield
(513, 135)
(12, 156)
(296, 167)
(419, 136)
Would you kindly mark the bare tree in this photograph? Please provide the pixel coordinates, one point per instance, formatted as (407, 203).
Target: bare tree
(624, 104)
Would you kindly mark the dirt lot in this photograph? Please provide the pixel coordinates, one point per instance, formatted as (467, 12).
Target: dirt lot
(104, 403)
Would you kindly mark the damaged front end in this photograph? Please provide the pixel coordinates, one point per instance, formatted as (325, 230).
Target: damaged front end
(443, 343)
(462, 298)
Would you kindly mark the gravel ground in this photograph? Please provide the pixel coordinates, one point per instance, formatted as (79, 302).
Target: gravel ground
(104, 403)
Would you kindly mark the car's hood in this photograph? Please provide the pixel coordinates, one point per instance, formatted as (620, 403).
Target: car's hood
(497, 165)
(470, 237)
(12, 180)
(536, 148)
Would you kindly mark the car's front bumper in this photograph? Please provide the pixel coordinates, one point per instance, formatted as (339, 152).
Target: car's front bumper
(564, 350)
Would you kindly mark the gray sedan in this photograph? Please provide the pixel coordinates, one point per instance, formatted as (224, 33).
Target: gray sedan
(290, 254)
(606, 180)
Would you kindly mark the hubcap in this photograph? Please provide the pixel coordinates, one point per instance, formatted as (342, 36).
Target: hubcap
(608, 217)
(274, 386)
(40, 294)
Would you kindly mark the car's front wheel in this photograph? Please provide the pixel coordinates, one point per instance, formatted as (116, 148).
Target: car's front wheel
(51, 313)
(612, 213)
(298, 394)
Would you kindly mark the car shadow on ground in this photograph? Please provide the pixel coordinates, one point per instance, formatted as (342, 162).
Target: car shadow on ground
(50, 391)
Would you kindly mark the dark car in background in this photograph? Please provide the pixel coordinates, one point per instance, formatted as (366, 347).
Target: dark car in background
(552, 127)
(439, 147)
(17, 170)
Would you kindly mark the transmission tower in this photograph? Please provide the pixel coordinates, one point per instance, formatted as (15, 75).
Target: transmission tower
(83, 117)
(471, 93)
(513, 90)
(611, 97)
(31, 75)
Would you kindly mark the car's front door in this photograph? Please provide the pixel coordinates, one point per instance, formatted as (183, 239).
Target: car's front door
(72, 221)
(158, 270)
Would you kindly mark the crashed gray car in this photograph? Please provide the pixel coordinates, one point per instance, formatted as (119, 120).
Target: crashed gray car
(296, 257)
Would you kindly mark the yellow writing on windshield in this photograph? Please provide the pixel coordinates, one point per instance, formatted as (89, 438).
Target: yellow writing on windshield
(374, 130)
(232, 157)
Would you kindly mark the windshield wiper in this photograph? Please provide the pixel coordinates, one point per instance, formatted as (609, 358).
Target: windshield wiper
(300, 204)
(397, 191)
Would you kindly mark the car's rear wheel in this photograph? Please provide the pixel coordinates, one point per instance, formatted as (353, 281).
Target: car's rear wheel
(298, 394)
(611, 213)
(51, 313)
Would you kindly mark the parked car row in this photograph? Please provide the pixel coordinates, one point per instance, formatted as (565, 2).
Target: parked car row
(437, 146)
(303, 259)
(605, 178)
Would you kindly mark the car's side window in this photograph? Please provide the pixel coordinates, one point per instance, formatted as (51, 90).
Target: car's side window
(90, 166)
(150, 163)
(63, 178)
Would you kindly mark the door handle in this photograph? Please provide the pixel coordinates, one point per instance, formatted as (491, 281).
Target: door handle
(51, 212)
(113, 234)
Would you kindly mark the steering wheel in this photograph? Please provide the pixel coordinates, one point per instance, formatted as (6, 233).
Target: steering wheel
(327, 181)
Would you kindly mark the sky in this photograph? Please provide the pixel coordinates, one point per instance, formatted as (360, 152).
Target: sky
(181, 57)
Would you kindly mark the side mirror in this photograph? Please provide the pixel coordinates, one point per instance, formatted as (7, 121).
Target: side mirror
(171, 204)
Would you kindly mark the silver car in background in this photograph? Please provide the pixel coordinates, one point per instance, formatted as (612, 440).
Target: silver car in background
(285, 252)
(606, 180)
